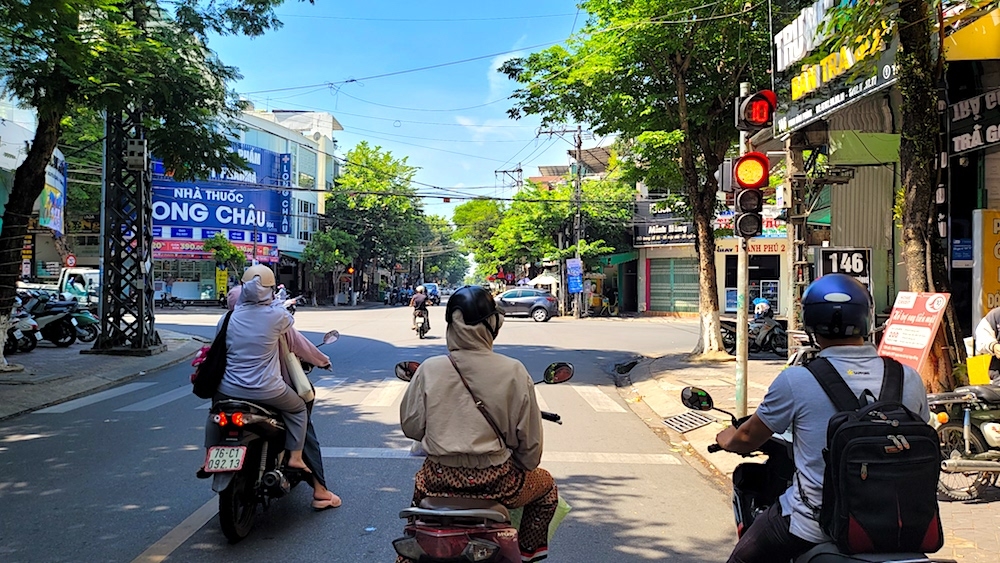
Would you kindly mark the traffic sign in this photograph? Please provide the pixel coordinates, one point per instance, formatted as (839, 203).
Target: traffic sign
(71, 261)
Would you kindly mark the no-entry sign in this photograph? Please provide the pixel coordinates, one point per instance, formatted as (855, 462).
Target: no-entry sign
(71, 261)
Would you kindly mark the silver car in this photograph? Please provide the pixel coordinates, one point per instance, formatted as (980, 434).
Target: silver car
(526, 302)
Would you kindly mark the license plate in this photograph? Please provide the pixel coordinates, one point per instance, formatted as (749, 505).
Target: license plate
(72, 320)
(225, 458)
(18, 334)
(37, 335)
(420, 321)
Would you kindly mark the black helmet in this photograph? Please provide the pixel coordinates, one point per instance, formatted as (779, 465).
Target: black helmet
(476, 305)
(837, 306)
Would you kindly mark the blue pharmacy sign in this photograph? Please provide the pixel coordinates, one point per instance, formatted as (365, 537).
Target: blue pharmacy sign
(245, 200)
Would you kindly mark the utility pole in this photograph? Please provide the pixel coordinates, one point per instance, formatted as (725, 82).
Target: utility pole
(742, 286)
(515, 174)
(578, 223)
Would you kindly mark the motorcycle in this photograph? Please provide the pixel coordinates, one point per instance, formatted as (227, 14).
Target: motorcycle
(22, 336)
(55, 318)
(756, 486)
(87, 325)
(247, 460)
(171, 302)
(290, 304)
(764, 334)
(968, 424)
(421, 321)
(464, 529)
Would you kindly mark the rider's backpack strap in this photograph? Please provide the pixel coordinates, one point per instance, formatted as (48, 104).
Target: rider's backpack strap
(833, 384)
(892, 381)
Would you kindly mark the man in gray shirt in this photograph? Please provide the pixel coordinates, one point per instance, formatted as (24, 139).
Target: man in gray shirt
(837, 311)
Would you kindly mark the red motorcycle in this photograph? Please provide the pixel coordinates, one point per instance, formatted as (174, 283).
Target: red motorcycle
(456, 529)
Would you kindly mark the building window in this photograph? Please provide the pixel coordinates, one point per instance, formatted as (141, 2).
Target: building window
(307, 167)
(307, 221)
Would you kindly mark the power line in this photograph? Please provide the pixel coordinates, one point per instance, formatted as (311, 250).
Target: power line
(425, 20)
(438, 140)
(428, 148)
(340, 91)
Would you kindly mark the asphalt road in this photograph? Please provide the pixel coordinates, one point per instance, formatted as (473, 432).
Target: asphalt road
(112, 478)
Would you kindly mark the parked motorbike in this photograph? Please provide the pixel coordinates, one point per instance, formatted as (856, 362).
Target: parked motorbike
(756, 486)
(247, 460)
(22, 336)
(171, 302)
(764, 335)
(55, 318)
(464, 529)
(87, 325)
(968, 425)
(421, 321)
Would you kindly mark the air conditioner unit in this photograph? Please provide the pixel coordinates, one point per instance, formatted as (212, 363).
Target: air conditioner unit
(317, 136)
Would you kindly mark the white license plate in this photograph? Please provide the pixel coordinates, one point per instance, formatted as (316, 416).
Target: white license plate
(37, 335)
(420, 321)
(18, 334)
(225, 458)
(72, 320)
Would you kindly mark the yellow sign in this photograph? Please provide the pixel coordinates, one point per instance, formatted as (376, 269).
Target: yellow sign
(221, 280)
(990, 257)
(834, 65)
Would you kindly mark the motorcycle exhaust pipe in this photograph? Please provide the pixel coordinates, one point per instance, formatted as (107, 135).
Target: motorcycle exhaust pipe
(276, 480)
(968, 465)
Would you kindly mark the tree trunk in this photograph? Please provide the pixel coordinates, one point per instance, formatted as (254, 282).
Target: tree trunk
(918, 152)
(29, 180)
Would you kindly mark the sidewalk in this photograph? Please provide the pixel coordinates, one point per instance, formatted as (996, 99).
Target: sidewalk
(54, 375)
(972, 530)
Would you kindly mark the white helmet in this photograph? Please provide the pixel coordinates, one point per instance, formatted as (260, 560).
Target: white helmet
(265, 273)
(421, 289)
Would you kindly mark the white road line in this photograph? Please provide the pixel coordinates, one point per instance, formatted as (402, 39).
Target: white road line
(175, 538)
(325, 388)
(597, 399)
(542, 405)
(385, 394)
(204, 406)
(158, 401)
(95, 398)
(553, 457)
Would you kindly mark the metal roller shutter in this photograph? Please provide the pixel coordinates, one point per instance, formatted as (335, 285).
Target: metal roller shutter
(673, 285)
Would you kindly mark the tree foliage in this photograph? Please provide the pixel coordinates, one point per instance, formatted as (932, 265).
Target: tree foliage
(225, 252)
(443, 258)
(330, 251)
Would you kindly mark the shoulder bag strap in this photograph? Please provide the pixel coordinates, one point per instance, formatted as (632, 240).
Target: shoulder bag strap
(479, 404)
(892, 381)
(834, 385)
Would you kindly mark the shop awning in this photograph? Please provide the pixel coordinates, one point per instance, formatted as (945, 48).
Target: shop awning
(290, 254)
(620, 258)
(545, 279)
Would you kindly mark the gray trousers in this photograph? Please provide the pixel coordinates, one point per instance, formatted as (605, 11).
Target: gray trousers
(293, 412)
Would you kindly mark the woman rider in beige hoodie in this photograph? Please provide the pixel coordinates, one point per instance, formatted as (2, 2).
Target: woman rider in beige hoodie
(464, 455)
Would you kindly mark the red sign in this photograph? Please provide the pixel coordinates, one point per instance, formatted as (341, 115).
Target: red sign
(195, 249)
(912, 327)
(70, 261)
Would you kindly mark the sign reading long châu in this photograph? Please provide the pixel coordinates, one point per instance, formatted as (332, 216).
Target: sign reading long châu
(974, 123)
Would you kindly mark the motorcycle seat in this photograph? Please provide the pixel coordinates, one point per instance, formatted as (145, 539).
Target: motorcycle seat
(458, 507)
(985, 393)
(828, 553)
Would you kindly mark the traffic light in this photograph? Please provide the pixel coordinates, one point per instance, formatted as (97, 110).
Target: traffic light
(756, 112)
(751, 172)
(350, 270)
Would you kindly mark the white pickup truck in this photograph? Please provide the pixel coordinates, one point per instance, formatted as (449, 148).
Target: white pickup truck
(82, 283)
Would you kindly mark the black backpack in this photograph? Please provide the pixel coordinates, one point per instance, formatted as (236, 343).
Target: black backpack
(882, 467)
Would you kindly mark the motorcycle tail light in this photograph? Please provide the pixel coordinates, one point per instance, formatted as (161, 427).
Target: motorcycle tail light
(408, 547)
(237, 418)
(220, 419)
(480, 550)
(942, 417)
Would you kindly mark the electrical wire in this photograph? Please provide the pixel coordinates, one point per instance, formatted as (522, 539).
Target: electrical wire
(428, 148)
(340, 91)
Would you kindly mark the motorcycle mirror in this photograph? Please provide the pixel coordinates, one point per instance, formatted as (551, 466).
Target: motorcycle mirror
(405, 370)
(331, 337)
(558, 372)
(697, 399)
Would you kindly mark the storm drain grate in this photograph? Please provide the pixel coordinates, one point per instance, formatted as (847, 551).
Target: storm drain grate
(688, 421)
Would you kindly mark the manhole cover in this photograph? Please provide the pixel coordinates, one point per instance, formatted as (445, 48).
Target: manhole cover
(688, 421)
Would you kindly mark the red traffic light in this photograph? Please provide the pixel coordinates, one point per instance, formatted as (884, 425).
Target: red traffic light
(757, 111)
(752, 171)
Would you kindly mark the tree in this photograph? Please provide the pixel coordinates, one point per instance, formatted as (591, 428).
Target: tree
(57, 57)
(226, 253)
(330, 252)
(661, 73)
(475, 223)
(443, 260)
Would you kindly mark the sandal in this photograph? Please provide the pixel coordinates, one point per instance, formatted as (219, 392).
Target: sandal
(324, 504)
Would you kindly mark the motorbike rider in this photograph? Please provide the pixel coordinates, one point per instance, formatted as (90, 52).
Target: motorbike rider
(299, 345)
(253, 370)
(986, 342)
(419, 303)
(837, 310)
(465, 456)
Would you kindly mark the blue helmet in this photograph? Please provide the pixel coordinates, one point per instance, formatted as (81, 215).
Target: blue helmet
(837, 306)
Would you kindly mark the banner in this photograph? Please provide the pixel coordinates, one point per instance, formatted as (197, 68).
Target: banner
(195, 250)
(985, 262)
(912, 327)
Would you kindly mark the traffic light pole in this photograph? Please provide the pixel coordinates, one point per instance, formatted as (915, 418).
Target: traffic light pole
(742, 287)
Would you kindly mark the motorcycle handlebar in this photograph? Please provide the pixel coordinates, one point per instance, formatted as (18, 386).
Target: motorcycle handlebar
(714, 448)
(552, 417)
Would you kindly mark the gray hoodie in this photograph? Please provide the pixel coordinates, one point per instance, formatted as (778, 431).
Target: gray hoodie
(253, 369)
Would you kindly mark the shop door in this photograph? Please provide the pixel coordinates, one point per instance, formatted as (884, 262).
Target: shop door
(673, 285)
(628, 297)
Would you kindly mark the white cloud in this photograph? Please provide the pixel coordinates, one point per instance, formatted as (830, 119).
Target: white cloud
(486, 129)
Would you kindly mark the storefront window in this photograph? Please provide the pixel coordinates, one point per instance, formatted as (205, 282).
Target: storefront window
(186, 279)
(765, 279)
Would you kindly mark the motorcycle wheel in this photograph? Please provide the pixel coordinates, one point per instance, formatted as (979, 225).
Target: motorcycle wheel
(779, 344)
(10, 345)
(27, 343)
(961, 486)
(63, 334)
(181, 305)
(729, 341)
(237, 508)
(87, 333)
(422, 331)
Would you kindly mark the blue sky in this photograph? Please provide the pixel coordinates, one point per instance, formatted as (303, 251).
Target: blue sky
(435, 109)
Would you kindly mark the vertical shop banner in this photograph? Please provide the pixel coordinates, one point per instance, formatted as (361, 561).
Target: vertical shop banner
(986, 262)
(574, 275)
(285, 179)
(221, 280)
(912, 327)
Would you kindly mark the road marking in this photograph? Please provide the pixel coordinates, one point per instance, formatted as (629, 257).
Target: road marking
(95, 398)
(554, 457)
(597, 399)
(158, 401)
(175, 538)
(542, 405)
(385, 394)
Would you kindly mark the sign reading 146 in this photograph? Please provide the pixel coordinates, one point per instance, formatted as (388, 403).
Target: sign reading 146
(855, 262)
